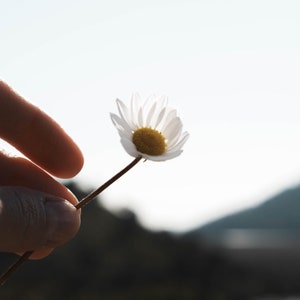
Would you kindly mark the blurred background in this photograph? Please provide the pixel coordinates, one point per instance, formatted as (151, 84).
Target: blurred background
(221, 220)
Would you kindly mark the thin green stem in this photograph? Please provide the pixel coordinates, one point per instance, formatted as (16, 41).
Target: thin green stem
(80, 204)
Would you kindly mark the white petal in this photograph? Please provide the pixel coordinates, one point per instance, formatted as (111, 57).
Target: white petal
(172, 155)
(175, 133)
(180, 143)
(129, 147)
(163, 101)
(120, 123)
(151, 115)
(165, 156)
(124, 112)
(170, 115)
(140, 122)
(135, 107)
(159, 118)
(155, 158)
(175, 137)
(150, 157)
(172, 128)
(148, 103)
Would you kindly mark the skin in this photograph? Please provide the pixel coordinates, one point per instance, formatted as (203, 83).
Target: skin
(49, 151)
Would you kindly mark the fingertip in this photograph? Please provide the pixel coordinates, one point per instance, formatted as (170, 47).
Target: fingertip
(70, 166)
(21, 172)
(38, 254)
(63, 221)
(37, 135)
(53, 221)
(51, 147)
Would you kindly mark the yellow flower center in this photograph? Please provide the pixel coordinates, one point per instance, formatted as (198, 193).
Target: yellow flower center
(149, 141)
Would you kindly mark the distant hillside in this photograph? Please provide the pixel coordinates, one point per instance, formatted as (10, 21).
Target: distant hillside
(279, 212)
(264, 239)
(114, 258)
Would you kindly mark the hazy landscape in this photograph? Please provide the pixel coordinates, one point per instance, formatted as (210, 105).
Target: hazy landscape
(253, 254)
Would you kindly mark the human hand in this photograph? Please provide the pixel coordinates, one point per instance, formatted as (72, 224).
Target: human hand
(36, 212)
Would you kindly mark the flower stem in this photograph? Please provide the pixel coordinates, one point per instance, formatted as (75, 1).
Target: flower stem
(14, 267)
(79, 205)
(100, 189)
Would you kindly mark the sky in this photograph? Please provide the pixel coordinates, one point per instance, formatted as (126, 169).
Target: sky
(230, 68)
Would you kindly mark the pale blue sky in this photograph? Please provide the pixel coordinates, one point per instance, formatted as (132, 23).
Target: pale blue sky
(231, 68)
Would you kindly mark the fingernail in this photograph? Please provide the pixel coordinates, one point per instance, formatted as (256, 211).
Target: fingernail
(62, 221)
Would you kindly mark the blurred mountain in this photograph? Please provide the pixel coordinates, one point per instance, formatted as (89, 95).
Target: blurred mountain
(114, 258)
(281, 212)
(264, 240)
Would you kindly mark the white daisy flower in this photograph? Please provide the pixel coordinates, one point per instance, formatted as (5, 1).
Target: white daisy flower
(151, 130)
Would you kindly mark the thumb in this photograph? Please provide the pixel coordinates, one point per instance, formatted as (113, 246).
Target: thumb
(33, 220)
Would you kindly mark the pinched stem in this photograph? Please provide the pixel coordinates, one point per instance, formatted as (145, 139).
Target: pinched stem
(79, 205)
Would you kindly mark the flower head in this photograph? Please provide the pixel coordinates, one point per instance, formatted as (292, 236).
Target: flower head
(150, 129)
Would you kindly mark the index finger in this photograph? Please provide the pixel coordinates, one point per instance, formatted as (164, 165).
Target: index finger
(37, 136)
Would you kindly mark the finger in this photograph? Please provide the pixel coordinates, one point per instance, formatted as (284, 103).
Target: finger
(16, 171)
(36, 221)
(37, 136)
